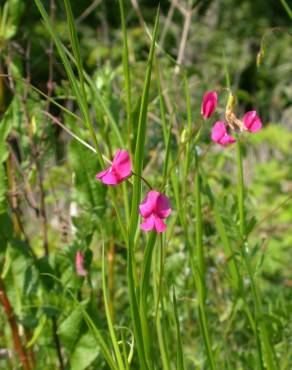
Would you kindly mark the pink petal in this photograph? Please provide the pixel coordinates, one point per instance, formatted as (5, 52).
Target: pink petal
(226, 140)
(252, 121)
(163, 206)
(160, 226)
(218, 131)
(148, 224)
(148, 206)
(209, 104)
(79, 264)
(122, 164)
(108, 177)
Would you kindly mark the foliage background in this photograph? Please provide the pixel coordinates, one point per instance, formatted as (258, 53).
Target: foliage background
(46, 178)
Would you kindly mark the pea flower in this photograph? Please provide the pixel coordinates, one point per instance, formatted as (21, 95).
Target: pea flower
(251, 121)
(209, 104)
(154, 208)
(79, 264)
(219, 134)
(119, 171)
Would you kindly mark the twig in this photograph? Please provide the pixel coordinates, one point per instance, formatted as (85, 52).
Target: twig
(87, 11)
(167, 23)
(187, 23)
(59, 123)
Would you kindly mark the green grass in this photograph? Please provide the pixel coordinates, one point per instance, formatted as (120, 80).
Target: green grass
(212, 292)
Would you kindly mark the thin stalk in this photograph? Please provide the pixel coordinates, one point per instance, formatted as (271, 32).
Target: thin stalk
(268, 350)
(201, 268)
(287, 8)
(236, 279)
(139, 323)
(127, 75)
(180, 365)
(115, 344)
(159, 314)
(189, 128)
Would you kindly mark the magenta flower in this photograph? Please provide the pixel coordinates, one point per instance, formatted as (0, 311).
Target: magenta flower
(120, 169)
(209, 104)
(219, 134)
(252, 121)
(79, 264)
(154, 208)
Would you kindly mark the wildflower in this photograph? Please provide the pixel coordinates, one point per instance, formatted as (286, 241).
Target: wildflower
(209, 104)
(120, 169)
(251, 121)
(219, 134)
(154, 209)
(79, 264)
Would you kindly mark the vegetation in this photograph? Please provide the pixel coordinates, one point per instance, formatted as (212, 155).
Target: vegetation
(82, 286)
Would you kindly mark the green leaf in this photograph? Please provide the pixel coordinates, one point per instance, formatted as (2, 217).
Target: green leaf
(37, 331)
(70, 328)
(85, 352)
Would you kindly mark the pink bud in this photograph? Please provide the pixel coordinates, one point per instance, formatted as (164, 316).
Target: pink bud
(120, 169)
(154, 209)
(209, 104)
(219, 134)
(79, 264)
(251, 121)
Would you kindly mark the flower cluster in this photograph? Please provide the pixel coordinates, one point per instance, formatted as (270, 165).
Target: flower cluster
(154, 208)
(219, 134)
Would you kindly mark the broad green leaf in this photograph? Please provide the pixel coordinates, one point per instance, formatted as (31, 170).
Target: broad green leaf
(70, 328)
(85, 352)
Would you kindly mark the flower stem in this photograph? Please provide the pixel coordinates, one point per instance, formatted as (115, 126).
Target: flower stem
(143, 179)
(201, 268)
(268, 350)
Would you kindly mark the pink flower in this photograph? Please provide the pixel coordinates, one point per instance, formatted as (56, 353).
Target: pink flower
(154, 209)
(79, 264)
(209, 104)
(120, 169)
(252, 121)
(219, 134)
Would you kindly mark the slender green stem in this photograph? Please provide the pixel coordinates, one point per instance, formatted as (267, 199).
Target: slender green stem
(127, 75)
(158, 260)
(200, 269)
(180, 364)
(287, 8)
(139, 322)
(268, 350)
(108, 317)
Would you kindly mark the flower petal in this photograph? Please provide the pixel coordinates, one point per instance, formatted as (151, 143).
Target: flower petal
(160, 226)
(226, 140)
(148, 206)
(209, 104)
(108, 177)
(122, 164)
(148, 224)
(163, 206)
(100, 175)
(251, 121)
(218, 131)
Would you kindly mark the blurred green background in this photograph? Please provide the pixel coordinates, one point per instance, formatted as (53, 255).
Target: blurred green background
(253, 38)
